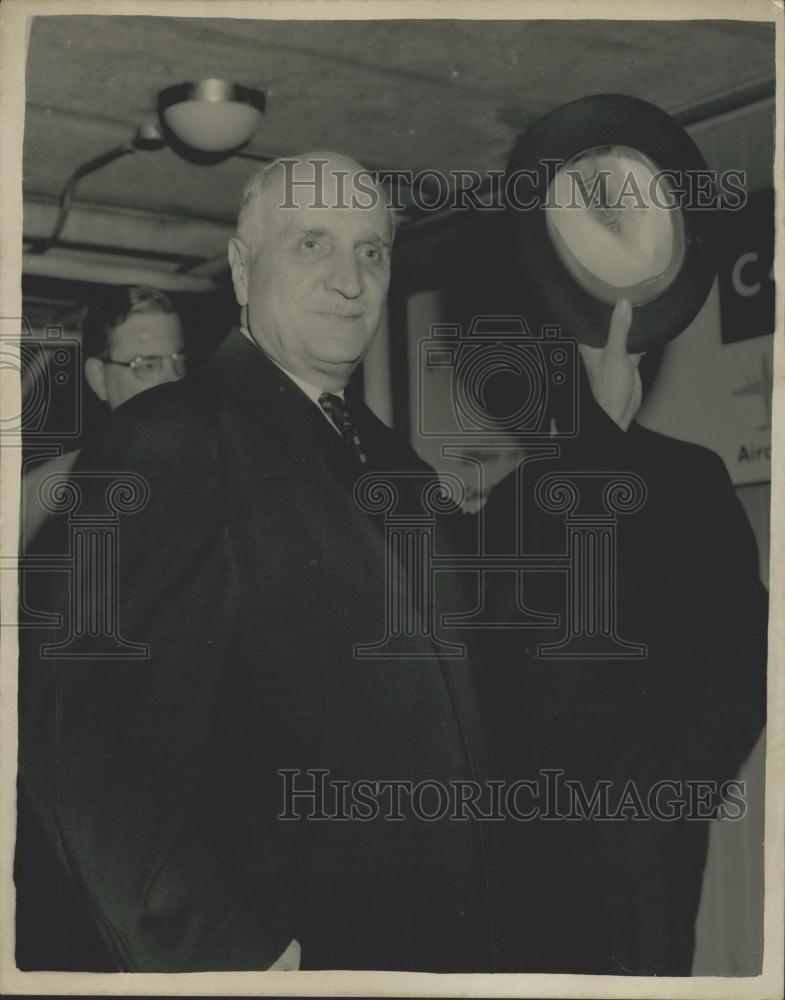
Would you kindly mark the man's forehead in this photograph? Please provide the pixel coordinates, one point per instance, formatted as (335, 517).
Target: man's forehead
(147, 326)
(359, 223)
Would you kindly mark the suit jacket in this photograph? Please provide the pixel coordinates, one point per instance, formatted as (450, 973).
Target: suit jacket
(251, 573)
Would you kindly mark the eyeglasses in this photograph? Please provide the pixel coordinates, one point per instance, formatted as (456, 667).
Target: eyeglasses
(147, 367)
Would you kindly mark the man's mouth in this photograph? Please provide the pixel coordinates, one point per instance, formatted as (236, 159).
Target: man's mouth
(342, 313)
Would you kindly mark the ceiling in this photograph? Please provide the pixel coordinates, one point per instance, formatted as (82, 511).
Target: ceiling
(440, 94)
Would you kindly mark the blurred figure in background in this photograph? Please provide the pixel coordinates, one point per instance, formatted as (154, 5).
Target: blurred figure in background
(132, 340)
(590, 888)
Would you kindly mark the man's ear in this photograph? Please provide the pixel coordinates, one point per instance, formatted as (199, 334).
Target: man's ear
(238, 253)
(95, 373)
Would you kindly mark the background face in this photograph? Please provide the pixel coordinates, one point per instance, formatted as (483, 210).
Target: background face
(142, 333)
(316, 284)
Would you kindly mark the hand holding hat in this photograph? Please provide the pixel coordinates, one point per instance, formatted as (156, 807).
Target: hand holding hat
(613, 373)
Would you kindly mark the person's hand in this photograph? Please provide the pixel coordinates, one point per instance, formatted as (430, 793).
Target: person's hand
(613, 373)
(289, 961)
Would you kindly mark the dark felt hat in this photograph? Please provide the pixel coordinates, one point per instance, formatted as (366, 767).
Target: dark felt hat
(610, 198)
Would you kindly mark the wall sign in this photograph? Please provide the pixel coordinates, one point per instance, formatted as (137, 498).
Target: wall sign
(746, 274)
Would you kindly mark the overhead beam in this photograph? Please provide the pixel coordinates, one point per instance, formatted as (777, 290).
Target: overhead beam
(171, 237)
(75, 268)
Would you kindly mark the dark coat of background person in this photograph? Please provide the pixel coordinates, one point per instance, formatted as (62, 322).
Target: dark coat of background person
(621, 897)
(597, 897)
(252, 575)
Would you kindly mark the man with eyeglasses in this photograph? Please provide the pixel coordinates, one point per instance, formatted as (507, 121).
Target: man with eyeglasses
(132, 340)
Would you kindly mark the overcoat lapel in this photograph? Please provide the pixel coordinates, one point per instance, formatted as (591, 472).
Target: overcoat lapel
(298, 426)
(306, 436)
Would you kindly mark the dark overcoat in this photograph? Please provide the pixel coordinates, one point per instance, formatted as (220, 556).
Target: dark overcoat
(252, 574)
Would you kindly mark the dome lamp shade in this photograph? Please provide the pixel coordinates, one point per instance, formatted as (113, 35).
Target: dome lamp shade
(211, 116)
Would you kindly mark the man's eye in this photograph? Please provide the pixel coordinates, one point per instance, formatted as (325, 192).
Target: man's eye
(310, 244)
(372, 254)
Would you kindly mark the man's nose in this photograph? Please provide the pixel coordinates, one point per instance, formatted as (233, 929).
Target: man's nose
(344, 276)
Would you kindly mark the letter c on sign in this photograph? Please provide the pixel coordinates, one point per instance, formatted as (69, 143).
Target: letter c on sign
(739, 285)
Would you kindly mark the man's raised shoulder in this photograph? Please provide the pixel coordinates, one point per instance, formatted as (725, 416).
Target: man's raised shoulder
(162, 422)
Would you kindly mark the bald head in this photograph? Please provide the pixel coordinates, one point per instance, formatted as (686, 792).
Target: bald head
(317, 179)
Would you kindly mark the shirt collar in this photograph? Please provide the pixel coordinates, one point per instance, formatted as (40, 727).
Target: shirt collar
(313, 392)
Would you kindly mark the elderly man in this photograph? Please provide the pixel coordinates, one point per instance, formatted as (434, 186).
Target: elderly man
(252, 576)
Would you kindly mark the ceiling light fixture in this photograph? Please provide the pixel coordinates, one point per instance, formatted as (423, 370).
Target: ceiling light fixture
(211, 116)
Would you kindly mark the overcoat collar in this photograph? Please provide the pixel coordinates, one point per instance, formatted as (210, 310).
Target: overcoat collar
(289, 414)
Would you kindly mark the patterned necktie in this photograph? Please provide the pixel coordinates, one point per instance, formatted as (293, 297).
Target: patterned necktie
(338, 413)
